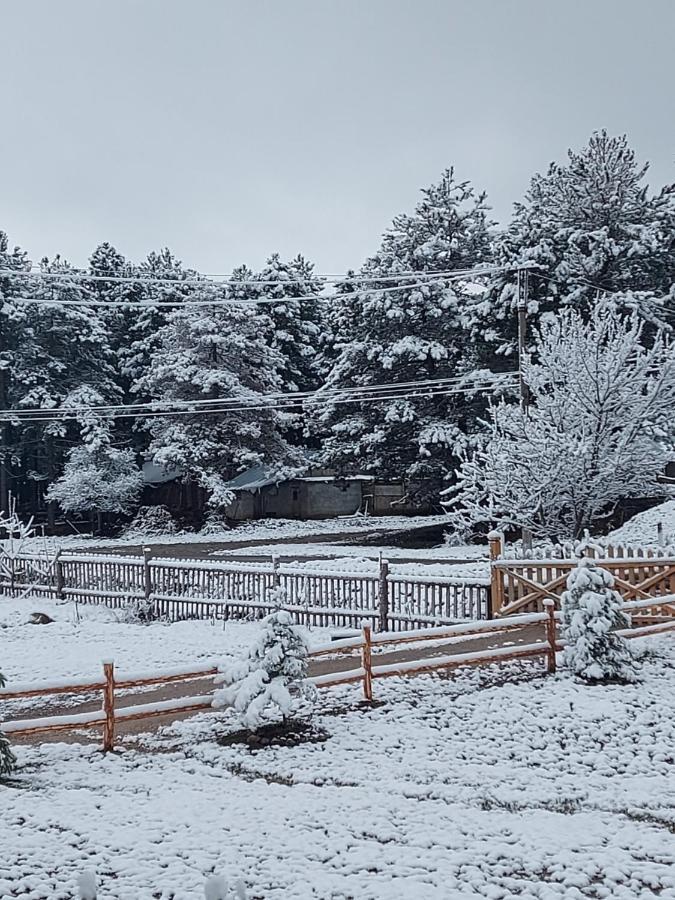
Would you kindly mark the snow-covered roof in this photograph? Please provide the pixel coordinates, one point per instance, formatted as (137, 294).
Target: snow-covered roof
(263, 476)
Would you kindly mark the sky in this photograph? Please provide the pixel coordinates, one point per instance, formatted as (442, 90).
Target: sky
(231, 130)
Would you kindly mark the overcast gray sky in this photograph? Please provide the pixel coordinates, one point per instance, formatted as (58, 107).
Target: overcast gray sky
(228, 130)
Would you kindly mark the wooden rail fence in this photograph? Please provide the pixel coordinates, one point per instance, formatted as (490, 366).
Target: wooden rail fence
(521, 583)
(199, 589)
(111, 715)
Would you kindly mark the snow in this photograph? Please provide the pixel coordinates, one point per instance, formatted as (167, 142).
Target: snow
(65, 649)
(465, 787)
(641, 529)
(260, 529)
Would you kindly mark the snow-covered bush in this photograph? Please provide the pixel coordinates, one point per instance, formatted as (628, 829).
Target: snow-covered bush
(591, 614)
(214, 523)
(274, 665)
(102, 478)
(7, 758)
(151, 521)
(216, 888)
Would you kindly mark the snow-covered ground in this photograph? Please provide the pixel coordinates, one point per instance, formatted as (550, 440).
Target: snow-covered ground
(67, 648)
(458, 788)
(261, 529)
(642, 529)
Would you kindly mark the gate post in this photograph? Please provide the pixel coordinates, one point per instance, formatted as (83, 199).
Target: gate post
(496, 540)
(549, 609)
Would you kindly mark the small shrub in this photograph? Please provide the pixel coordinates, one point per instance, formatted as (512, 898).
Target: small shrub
(152, 521)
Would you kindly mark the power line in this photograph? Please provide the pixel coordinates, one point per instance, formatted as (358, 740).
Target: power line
(225, 301)
(323, 393)
(429, 393)
(201, 280)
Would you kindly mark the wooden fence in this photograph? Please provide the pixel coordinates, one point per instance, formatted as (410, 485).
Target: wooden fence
(521, 582)
(199, 589)
(111, 715)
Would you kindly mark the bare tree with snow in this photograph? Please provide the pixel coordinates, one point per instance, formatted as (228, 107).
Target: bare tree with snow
(597, 431)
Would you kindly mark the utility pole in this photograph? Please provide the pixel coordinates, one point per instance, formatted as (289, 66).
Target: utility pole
(523, 296)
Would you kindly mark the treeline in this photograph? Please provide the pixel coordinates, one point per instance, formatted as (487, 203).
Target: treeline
(79, 366)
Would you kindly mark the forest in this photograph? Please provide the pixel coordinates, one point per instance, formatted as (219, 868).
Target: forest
(404, 368)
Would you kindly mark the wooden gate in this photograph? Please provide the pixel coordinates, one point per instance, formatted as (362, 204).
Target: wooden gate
(521, 583)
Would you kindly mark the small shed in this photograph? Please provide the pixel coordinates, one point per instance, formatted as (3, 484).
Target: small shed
(260, 494)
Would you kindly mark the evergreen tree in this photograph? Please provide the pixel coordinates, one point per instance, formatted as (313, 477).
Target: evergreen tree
(294, 321)
(216, 352)
(7, 758)
(14, 331)
(591, 615)
(60, 361)
(405, 330)
(593, 229)
(275, 664)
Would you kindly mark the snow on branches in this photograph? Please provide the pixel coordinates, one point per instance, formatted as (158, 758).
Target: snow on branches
(274, 665)
(591, 615)
(596, 431)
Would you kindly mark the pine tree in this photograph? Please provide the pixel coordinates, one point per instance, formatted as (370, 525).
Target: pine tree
(591, 615)
(7, 758)
(217, 352)
(14, 331)
(594, 230)
(295, 329)
(406, 331)
(275, 664)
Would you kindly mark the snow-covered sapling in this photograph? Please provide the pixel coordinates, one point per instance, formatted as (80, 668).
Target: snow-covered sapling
(275, 664)
(7, 758)
(591, 615)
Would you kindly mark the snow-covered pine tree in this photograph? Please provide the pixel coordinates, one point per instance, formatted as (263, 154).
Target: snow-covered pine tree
(591, 615)
(412, 333)
(293, 331)
(588, 225)
(339, 322)
(60, 361)
(217, 352)
(13, 334)
(597, 431)
(7, 758)
(145, 323)
(274, 665)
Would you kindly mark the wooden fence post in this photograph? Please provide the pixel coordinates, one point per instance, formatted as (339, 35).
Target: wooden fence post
(275, 571)
(384, 596)
(549, 607)
(366, 662)
(109, 706)
(147, 577)
(58, 568)
(496, 541)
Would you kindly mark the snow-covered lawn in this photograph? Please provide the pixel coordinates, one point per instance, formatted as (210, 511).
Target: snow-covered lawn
(68, 648)
(451, 788)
